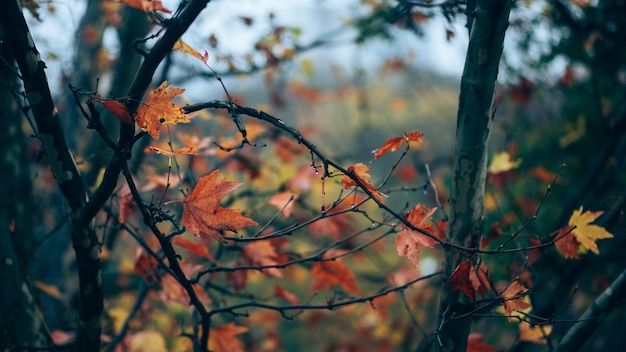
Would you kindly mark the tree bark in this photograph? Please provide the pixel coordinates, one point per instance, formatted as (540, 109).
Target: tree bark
(21, 321)
(474, 121)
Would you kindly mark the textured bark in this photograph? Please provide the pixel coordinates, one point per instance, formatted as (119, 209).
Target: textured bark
(21, 322)
(474, 121)
(64, 169)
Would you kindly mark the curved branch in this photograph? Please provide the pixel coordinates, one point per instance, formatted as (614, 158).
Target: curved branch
(594, 315)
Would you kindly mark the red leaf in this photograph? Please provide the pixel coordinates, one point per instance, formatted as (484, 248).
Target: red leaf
(126, 204)
(146, 265)
(223, 338)
(119, 110)
(202, 214)
(480, 282)
(567, 244)
(237, 278)
(493, 234)
(146, 5)
(392, 144)
(172, 290)
(196, 248)
(333, 273)
(460, 279)
(286, 295)
(476, 343)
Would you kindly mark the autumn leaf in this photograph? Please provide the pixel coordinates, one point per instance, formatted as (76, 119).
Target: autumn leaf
(184, 47)
(146, 341)
(360, 172)
(480, 282)
(284, 201)
(223, 339)
(119, 110)
(158, 109)
(146, 5)
(173, 291)
(146, 266)
(126, 203)
(286, 295)
(476, 343)
(501, 162)
(264, 253)
(196, 248)
(460, 279)
(586, 233)
(287, 149)
(403, 276)
(566, 243)
(51, 290)
(534, 334)
(331, 273)
(409, 241)
(392, 144)
(513, 298)
(60, 337)
(238, 278)
(185, 150)
(202, 214)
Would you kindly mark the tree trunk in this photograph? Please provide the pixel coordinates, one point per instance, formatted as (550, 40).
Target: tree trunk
(474, 121)
(21, 321)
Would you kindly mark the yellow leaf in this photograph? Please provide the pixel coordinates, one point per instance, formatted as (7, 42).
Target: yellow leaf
(49, 289)
(147, 341)
(159, 109)
(502, 162)
(586, 233)
(536, 334)
(182, 46)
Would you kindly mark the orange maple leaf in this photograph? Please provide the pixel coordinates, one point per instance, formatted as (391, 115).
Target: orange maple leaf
(182, 46)
(146, 5)
(513, 298)
(196, 248)
(586, 233)
(202, 214)
(158, 109)
(360, 170)
(392, 144)
(264, 253)
(333, 273)
(409, 241)
(223, 338)
(284, 201)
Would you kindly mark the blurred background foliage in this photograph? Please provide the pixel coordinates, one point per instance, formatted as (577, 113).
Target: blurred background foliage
(560, 100)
